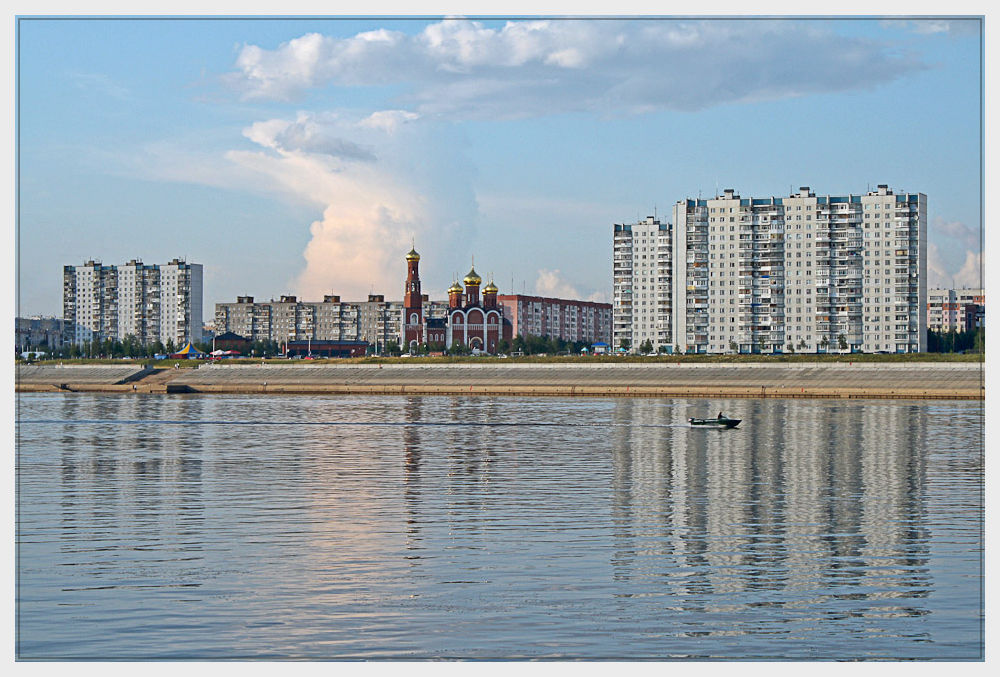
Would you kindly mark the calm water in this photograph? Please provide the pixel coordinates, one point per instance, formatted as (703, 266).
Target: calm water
(439, 527)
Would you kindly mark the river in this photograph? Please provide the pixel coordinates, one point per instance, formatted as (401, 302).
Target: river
(384, 527)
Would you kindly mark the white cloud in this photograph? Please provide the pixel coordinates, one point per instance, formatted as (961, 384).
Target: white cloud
(379, 190)
(463, 69)
(970, 26)
(954, 255)
(551, 283)
(970, 274)
(99, 83)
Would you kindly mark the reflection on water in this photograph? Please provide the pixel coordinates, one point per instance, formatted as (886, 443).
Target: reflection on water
(261, 526)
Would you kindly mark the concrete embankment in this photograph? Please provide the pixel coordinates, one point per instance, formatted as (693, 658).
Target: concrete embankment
(926, 380)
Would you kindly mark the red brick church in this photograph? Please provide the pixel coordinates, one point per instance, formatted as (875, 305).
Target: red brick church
(474, 322)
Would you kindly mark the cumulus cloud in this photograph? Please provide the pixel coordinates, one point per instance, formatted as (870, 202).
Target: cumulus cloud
(379, 189)
(463, 69)
(308, 134)
(551, 283)
(971, 273)
(954, 255)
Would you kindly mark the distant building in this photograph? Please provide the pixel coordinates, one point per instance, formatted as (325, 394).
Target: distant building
(32, 333)
(148, 302)
(569, 320)
(955, 309)
(375, 321)
(230, 341)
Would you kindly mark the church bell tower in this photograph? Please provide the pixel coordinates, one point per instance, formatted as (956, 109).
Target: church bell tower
(413, 313)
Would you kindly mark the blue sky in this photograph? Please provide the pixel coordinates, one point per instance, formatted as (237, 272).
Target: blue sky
(302, 156)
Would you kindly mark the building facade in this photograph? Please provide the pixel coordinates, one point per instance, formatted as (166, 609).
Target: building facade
(375, 321)
(33, 333)
(149, 302)
(955, 309)
(474, 322)
(804, 273)
(564, 319)
(465, 319)
(642, 268)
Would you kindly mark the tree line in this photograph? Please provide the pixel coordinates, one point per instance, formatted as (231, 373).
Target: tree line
(956, 341)
(131, 347)
(528, 345)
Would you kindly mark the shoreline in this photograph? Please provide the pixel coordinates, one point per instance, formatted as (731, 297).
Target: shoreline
(791, 381)
(521, 391)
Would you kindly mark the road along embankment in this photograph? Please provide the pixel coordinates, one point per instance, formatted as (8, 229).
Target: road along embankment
(926, 380)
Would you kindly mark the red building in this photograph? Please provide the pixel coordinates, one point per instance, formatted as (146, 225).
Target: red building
(473, 322)
(414, 332)
(565, 319)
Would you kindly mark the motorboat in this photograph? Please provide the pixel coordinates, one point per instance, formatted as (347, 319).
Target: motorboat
(721, 422)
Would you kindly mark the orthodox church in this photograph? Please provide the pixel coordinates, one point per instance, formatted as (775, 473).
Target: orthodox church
(471, 321)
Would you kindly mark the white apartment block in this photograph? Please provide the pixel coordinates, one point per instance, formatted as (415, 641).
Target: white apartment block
(376, 320)
(805, 273)
(642, 284)
(149, 302)
(955, 309)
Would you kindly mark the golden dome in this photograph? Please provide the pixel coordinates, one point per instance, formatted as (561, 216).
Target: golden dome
(455, 288)
(490, 288)
(413, 255)
(473, 278)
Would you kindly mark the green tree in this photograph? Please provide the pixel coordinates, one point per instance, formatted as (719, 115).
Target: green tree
(518, 346)
(734, 346)
(825, 343)
(392, 348)
(791, 347)
(646, 347)
(459, 349)
(842, 342)
(625, 344)
(169, 347)
(503, 346)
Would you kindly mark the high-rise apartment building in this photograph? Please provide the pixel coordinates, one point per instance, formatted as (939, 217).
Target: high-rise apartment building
(802, 273)
(148, 302)
(642, 284)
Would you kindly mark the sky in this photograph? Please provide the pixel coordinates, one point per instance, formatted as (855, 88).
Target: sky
(306, 157)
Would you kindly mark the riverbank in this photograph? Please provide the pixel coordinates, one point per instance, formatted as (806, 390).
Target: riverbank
(849, 380)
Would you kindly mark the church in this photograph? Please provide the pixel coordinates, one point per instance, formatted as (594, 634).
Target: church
(471, 321)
